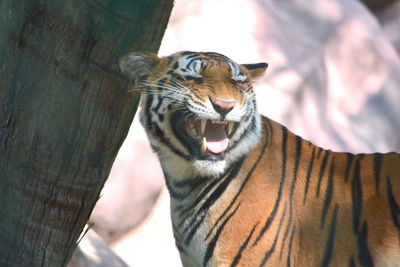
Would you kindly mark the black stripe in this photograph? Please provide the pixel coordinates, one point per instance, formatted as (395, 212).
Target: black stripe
(198, 95)
(190, 62)
(173, 193)
(199, 216)
(161, 83)
(192, 183)
(250, 129)
(279, 195)
(159, 98)
(179, 247)
(170, 58)
(319, 152)
(322, 170)
(364, 254)
(199, 198)
(216, 56)
(148, 124)
(294, 179)
(193, 78)
(308, 176)
(176, 79)
(255, 65)
(356, 196)
(377, 170)
(213, 242)
(331, 239)
(235, 168)
(328, 193)
(184, 209)
(268, 254)
(238, 255)
(249, 175)
(288, 261)
(394, 207)
(194, 56)
(157, 107)
(296, 165)
(349, 160)
(185, 53)
(289, 224)
(160, 134)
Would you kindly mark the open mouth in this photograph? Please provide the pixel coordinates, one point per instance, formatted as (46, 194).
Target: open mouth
(211, 136)
(206, 139)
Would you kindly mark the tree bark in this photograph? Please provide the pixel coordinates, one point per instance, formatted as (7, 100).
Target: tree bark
(64, 113)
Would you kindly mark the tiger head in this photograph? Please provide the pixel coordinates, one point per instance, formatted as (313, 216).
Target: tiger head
(198, 109)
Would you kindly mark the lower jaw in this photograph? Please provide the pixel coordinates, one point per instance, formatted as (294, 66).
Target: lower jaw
(210, 157)
(212, 168)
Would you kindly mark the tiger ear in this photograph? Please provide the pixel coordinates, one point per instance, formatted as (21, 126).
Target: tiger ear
(256, 70)
(138, 65)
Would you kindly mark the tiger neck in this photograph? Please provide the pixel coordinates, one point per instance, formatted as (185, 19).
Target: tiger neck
(201, 205)
(194, 198)
(187, 188)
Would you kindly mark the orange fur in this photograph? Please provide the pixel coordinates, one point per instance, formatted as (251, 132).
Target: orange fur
(310, 235)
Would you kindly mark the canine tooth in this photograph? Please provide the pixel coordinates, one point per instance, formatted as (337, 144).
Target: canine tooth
(192, 126)
(203, 123)
(229, 127)
(203, 148)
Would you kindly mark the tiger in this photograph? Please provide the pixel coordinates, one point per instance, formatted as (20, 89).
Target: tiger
(246, 191)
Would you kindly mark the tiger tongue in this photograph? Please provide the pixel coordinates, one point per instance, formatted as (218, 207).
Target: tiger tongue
(217, 140)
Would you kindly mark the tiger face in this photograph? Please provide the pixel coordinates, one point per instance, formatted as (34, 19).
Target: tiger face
(198, 109)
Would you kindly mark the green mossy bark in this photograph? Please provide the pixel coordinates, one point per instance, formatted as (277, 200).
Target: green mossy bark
(64, 113)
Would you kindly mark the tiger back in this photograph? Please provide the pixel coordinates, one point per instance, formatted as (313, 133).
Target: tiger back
(244, 190)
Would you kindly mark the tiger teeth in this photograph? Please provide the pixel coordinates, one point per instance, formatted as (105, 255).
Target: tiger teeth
(192, 127)
(198, 127)
(203, 147)
(229, 127)
(218, 122)
(203, 123)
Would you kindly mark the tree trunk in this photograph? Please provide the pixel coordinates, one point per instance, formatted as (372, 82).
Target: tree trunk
(64, 112)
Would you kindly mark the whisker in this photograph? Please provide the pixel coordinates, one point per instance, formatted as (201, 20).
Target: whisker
(161, 86)
(168, 87)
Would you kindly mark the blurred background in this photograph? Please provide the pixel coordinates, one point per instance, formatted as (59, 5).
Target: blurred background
(333, 78)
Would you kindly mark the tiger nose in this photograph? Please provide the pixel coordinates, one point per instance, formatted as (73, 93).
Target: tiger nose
(223, 106)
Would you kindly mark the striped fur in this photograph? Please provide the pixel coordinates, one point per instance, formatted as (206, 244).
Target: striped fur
(271, 198)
